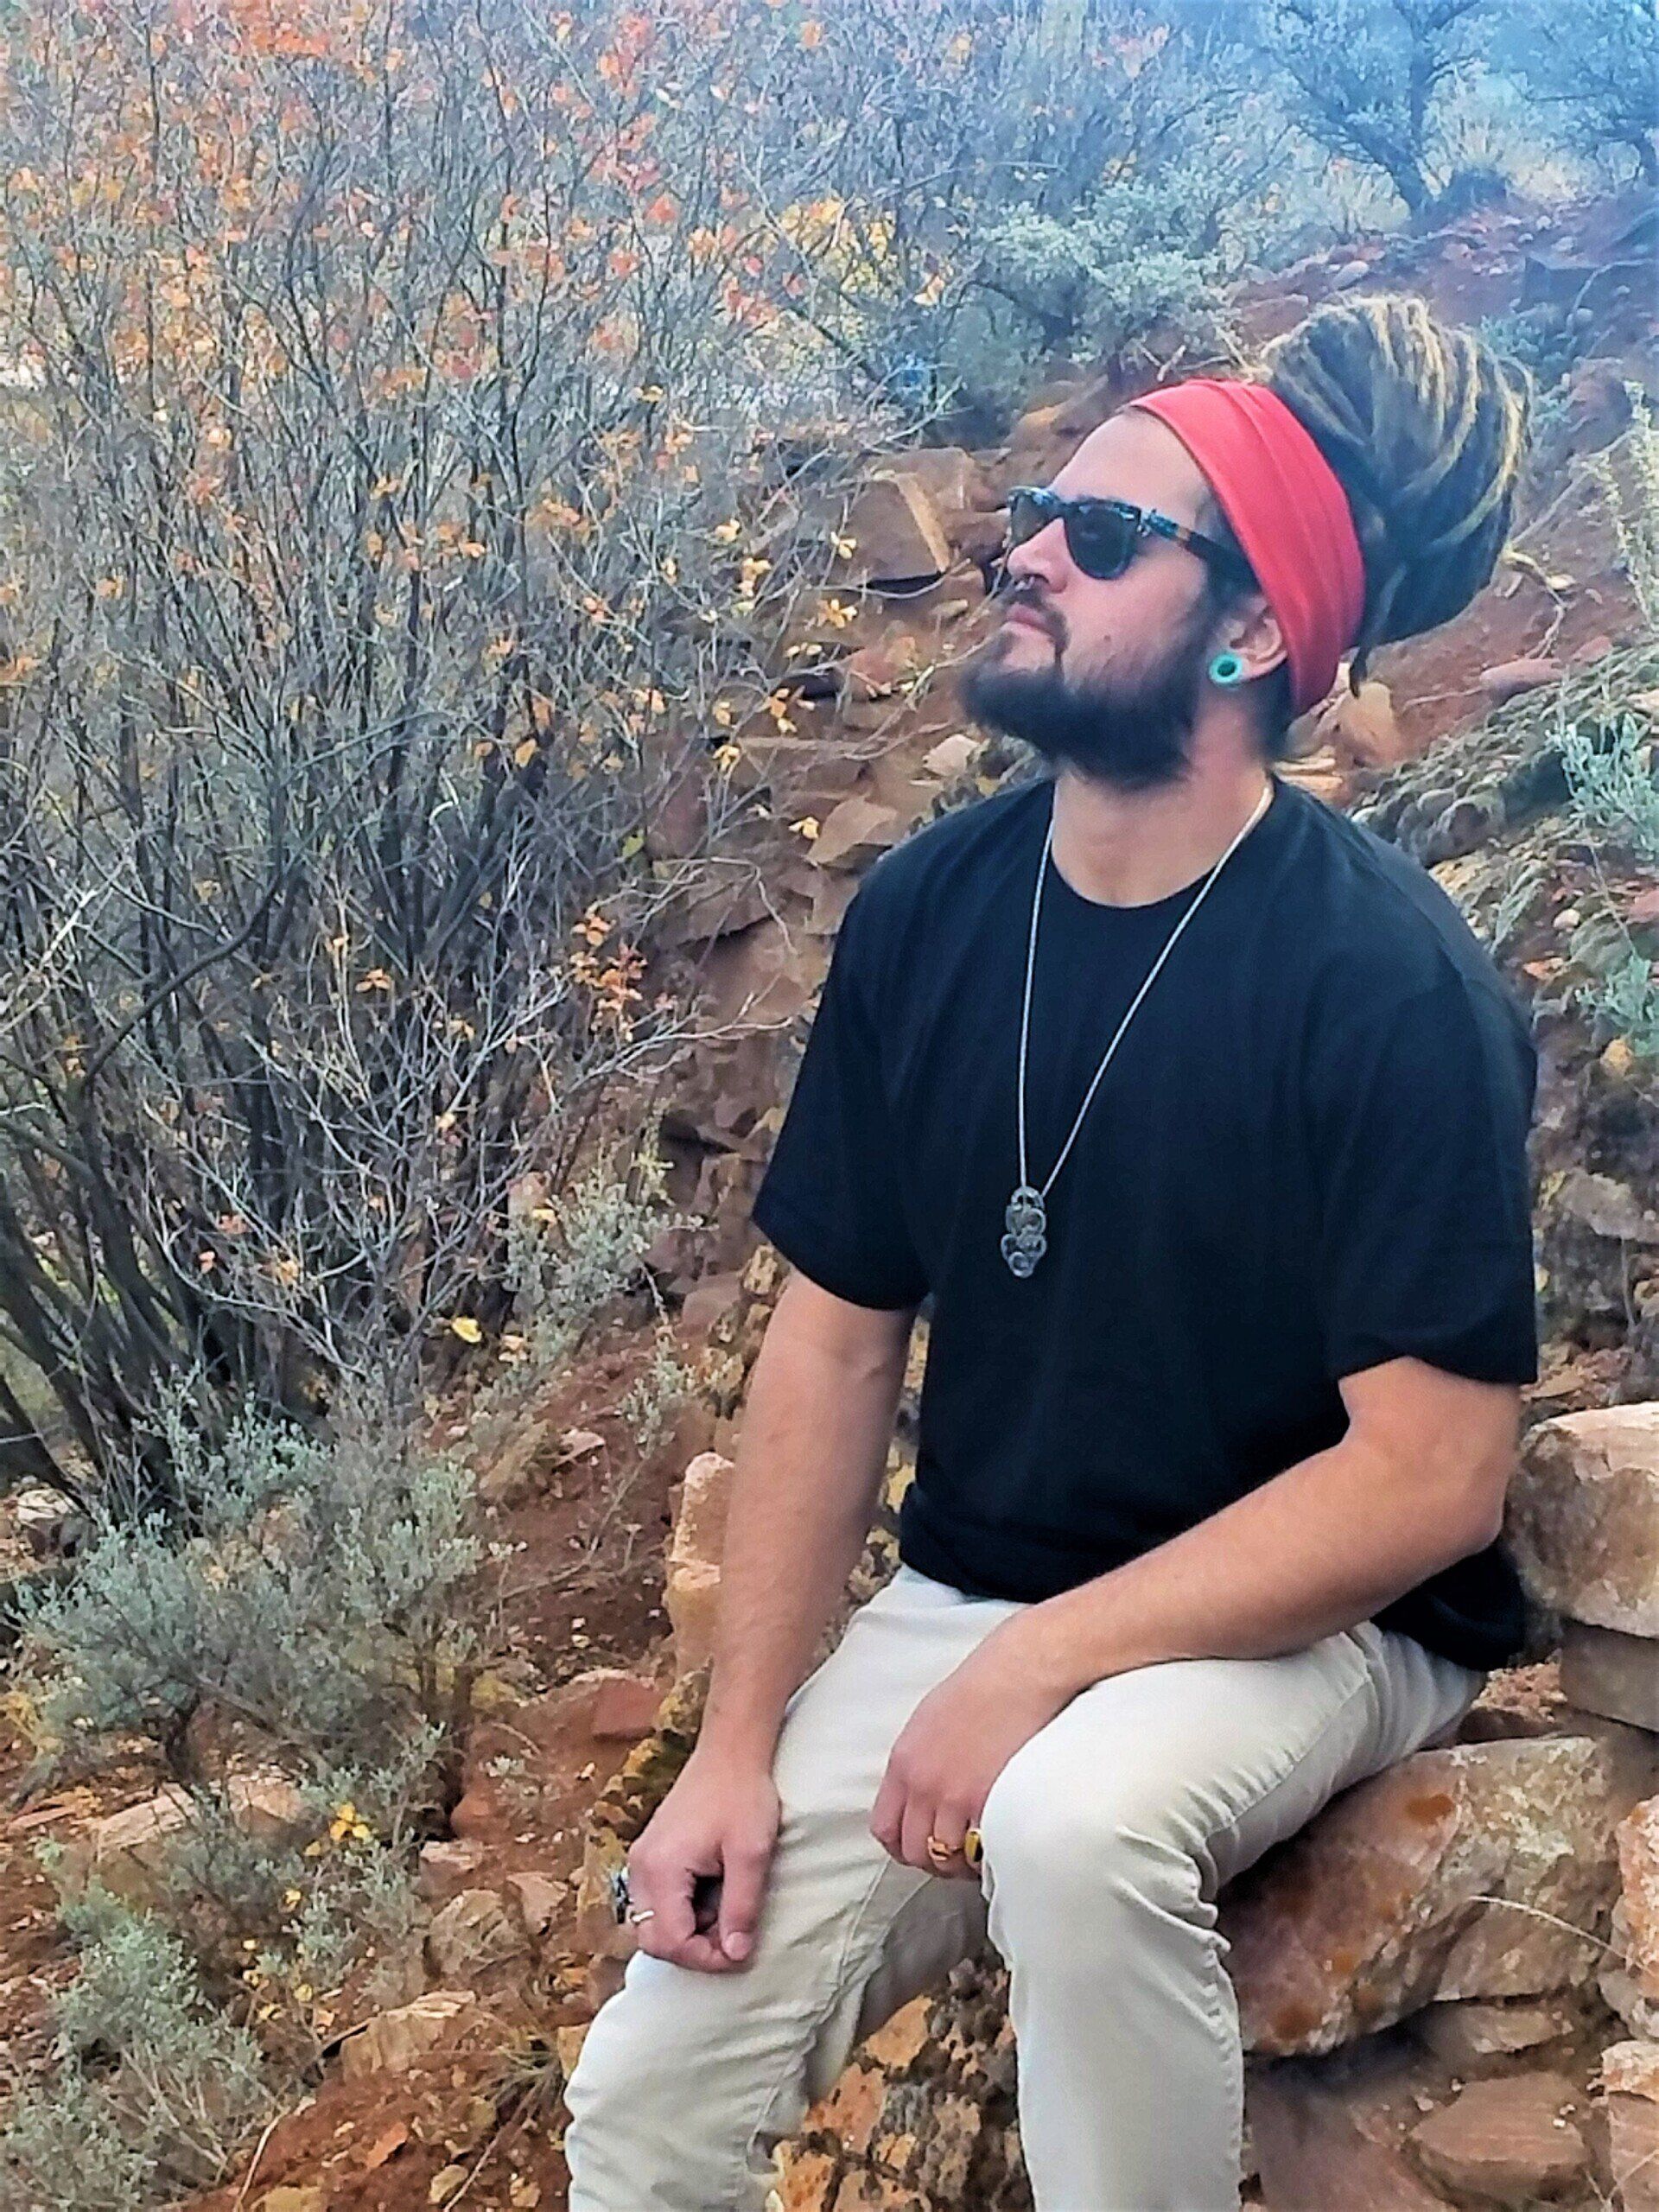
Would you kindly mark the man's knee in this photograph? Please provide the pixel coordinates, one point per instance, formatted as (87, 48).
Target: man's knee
(1075, 1847)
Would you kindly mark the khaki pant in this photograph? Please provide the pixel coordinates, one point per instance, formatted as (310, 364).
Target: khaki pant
(1106, 1839)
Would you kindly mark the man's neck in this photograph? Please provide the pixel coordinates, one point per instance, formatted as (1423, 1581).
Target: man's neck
(1129, 849)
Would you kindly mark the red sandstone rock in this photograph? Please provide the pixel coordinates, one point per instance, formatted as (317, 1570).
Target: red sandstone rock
(1638, 1866)
(1449, 1876)
(1605, 1671)
(1510, 2141)
(1633, 2153)
(472, 1934)
(1510, 678)
(855, 832)
(446, 1869)
(1583, 1520)
(625, 1709)
(692, 1592)
(895, 529)
(540, 1898)
(392, 2042)
(1311, 2153)
(1469, 2037)
(1360, 728)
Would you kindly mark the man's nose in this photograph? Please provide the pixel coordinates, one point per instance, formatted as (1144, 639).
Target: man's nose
(1039, 559)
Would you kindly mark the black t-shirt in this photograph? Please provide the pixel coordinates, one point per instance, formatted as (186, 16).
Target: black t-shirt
(1307, 1157)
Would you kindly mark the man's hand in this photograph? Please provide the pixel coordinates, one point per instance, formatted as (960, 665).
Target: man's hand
(954, 1745)
(718, 1823)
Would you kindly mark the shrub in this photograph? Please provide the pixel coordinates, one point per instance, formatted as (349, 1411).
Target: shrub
(1367, 79)
(385, 408)
(154, 2089)
(320, 1595)
(1600, 86)
(1635, 511)
(1109, 276)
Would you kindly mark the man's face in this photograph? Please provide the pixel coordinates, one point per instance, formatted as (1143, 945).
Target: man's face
(1104, 677)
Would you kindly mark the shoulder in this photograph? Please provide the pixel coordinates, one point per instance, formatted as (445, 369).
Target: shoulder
(952, 847)
(940, 873)
(1387, 933)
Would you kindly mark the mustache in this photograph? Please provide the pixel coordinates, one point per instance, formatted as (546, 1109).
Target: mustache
(1021, 598)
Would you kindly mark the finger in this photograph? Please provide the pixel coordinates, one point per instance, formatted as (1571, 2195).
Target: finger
(740, 1893)
(666, 1894)
(887, 1814)
(917, 1826)
(949, 1827)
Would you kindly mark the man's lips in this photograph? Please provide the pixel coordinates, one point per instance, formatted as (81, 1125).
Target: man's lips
(1027, 621)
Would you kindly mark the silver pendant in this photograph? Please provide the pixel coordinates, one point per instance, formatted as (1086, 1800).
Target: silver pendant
(1026, 1218)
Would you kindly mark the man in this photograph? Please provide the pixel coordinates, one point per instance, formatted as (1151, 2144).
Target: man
(1200, 1116)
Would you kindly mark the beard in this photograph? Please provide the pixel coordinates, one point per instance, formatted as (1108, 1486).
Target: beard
(1129, 728)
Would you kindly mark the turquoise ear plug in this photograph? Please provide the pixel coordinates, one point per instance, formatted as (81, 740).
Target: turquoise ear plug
(1226, 668)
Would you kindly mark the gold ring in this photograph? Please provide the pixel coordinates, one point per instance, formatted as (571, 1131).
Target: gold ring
(972, 1849)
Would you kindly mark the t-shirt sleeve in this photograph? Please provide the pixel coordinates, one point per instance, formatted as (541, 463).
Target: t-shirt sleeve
(830, 1198)
(1425, 1229)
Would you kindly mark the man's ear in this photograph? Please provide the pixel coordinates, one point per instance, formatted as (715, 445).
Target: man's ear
(1252, 632)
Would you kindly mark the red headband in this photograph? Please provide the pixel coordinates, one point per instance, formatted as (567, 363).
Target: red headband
(1288, 510)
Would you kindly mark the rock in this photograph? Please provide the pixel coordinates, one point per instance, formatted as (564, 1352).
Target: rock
(953, 756)
(692, 1592)
(477, 1812)
(1633, 2153)
(392, 2042)
(1467, 2034)
(53, 1526)
(540, 1899)
(1638, 1866)
(446, 1868)
(625, 1709)
(1508, 679)
(1618, 1983)
(1468, 1871)
(960, 495)
(873, 671)
(896, 531)
(1360, 728)
(126, 1852)
(1600, 1202)
(1582, 1518)
(1610, 1673)
(1630, 2074)
(472, 1934)
(855, 832)
(692, 1599)
(1312, 2157)
(1509, 2141)
(294, 2200)
(446, 2184)
(266, 1806)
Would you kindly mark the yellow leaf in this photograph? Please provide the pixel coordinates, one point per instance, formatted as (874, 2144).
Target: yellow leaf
(808, 826)
(635, 843)
(523, 754)
(466, 1329)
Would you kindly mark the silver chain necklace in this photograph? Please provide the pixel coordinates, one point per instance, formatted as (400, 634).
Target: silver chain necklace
(1025, 1216)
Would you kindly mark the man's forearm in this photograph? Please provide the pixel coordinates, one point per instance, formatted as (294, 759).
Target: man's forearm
(814, 1443)
(1320, 1547)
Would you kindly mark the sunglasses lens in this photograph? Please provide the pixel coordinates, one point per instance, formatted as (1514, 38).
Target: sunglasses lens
(1027, 516)
(1102, 541)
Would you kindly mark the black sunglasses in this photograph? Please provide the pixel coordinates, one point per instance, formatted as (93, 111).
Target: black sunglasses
(1103, 536)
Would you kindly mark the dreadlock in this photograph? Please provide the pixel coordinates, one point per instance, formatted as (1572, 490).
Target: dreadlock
(1425, 430)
